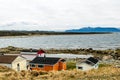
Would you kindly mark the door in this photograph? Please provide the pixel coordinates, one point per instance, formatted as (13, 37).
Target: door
(18, 67)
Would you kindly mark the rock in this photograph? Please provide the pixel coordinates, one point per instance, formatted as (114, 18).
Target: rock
(107, 57)
(117, 66)
(118, 58)
(90, 49)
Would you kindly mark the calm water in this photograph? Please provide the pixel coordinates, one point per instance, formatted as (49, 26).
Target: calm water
(95, 41)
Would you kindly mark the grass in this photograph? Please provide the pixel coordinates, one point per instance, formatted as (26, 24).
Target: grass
(71, 65)
(105, 72)
(104, 65)
(5, 69)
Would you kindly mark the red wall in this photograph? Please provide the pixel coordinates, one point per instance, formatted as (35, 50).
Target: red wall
(55, 67)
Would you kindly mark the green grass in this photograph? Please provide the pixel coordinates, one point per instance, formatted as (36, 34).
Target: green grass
(104, 65)
(71, 65)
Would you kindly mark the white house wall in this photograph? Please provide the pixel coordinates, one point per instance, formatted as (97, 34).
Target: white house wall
(96, 66)
(7, 65)
(22, 63)
(85, 66)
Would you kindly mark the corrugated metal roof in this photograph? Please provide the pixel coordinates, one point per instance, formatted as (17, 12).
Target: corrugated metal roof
(29, 57)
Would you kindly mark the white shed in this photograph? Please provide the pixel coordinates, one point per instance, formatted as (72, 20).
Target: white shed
(90, 63)
(15, 62)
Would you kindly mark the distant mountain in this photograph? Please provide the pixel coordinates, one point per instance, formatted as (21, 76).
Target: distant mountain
(97, 29)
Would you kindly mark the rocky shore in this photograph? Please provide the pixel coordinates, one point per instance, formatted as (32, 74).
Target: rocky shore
(97, 53)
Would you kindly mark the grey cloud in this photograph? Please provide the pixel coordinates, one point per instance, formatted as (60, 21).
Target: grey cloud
(60, 14)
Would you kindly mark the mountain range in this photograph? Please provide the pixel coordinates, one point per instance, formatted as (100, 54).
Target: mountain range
(96, 29)
(27, 26)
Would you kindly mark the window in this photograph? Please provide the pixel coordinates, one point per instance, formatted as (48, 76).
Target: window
(80, 67)
(32, 65)
(40, 66)
(18, 64)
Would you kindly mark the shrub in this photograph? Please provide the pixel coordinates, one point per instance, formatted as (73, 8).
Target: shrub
(104, 65)
(71, 65)
(34, 73)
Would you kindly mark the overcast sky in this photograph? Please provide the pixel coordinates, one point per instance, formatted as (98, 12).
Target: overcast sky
(58, 14)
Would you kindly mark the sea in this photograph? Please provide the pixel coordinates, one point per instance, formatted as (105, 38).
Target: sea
(95, 41)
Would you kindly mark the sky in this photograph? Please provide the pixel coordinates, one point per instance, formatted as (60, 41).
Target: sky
(58, 14)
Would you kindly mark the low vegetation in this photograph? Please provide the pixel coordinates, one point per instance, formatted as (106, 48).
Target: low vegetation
(102, 73)
(5, 69)
(104, 65)
(71, 65)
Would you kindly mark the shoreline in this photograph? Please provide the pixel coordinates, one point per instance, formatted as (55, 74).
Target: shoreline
(45, 33)
(39, 35)
(84, 51)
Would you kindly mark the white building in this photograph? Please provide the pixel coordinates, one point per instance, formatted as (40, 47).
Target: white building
(15, 62)
(90, 63)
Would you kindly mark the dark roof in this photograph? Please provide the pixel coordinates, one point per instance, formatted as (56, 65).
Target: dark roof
(93, 60)
(45, 60)
(7, 58)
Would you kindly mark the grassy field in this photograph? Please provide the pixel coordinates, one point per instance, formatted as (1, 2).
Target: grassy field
(104, 72)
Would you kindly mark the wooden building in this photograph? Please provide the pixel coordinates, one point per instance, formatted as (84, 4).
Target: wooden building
(90, 63)
(13, 61)
(48, 64)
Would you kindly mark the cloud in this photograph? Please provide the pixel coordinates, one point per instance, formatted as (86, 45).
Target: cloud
(60, 14)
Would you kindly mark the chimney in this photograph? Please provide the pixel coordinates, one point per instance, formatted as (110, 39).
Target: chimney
(44, 57)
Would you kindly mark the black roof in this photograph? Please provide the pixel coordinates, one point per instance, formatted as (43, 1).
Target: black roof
(92, 60)
(45, 60)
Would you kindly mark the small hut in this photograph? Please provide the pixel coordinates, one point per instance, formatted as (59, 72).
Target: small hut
(41, 62)
(47, 64)
(90, 63)
(15, 62)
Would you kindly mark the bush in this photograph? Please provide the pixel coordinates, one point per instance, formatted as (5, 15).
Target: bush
(37, 73)
(104, 65)
(71, 65)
